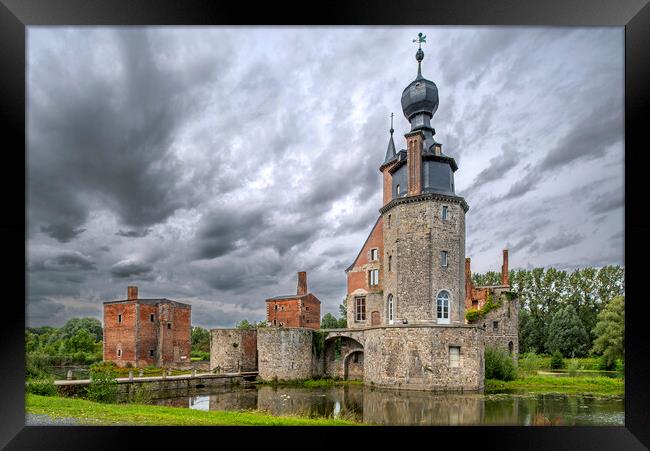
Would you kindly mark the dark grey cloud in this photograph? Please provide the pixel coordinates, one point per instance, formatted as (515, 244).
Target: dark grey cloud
(237, 166)
(134, 233)
(560, 241)
(126, 269)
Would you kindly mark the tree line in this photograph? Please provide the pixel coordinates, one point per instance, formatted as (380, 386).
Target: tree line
(575, 313)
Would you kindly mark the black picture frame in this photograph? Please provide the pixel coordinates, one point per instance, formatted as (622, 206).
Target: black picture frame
(634, 15)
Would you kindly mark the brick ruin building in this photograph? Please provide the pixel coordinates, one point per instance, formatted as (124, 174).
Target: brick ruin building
(408, 288)
(147, 332)
(501, 323)
(294, 310)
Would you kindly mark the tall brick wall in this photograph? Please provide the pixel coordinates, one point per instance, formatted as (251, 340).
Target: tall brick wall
(418, 357)
(120, 335)
(233, 350)
(414, 240)
(137, 335)
(285, 353)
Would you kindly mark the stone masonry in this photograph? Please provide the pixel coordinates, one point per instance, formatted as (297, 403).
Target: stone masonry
(233, 350)
(284, 353)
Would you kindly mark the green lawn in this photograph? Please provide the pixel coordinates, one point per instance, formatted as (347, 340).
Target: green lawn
(584, 384)
(137, 414)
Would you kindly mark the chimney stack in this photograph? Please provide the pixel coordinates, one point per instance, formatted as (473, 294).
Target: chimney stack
(132, 293)
(505, 277)
(302, 283)
(468, 281)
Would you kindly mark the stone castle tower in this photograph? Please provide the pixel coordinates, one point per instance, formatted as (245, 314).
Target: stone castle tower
(419, 240)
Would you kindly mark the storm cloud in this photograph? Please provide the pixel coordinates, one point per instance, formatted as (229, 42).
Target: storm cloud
(209, 171)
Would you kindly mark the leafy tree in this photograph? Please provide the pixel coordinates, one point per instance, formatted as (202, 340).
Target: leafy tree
(567, 334)
(343, 313)
(200, 339)
(329, 322)
(103, 386)
(260, 324)
(556, 361)
(610, 332)
(92, 325)
(244, 325)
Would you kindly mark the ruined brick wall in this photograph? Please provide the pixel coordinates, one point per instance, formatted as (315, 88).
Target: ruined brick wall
(310, 312)
(414, 240)
(285, 312)
(120, 335)
(233, 350)
(148, 335)
(285, 353)
(418, 357)
(181, 336)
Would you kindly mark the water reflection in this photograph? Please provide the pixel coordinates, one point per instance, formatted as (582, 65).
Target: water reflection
(392, 407)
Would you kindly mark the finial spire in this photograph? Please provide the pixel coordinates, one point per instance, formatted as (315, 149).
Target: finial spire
(390, 151)
(419, 55)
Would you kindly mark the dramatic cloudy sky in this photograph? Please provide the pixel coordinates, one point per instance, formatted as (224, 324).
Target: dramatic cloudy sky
(209, 165)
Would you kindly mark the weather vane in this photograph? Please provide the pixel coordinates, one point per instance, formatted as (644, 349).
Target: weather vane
(420, 39)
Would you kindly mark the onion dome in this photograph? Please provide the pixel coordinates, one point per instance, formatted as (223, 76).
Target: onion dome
(421, 96)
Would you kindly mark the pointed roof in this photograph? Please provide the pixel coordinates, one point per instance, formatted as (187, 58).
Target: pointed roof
(390, 151)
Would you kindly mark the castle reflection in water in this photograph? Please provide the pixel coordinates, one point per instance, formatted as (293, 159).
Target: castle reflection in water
(392, 407)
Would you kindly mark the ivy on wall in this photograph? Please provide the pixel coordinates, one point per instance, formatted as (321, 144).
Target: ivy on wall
(476, 314)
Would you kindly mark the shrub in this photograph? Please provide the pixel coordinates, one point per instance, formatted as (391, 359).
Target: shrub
(556, 360)
(573, 367)
(103, 386)
(498, 364)
(200, 355)
(530, 361)
(43, 387)
(606, 364)
(620, 365)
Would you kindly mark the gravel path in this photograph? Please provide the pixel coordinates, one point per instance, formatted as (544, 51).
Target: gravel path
(37, 419)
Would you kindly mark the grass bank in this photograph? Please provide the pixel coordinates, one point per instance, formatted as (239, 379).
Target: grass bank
(585, 384)
(138, 414)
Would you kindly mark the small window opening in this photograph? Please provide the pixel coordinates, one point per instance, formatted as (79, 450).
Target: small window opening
(150, 352)
(454, 356)
(373, 277)
(151, 317)
(119, 353)
(373, 254)
(495, 325)
(390, 262)
(119, 318)
(397, 191)
(169, 325)
(443, 258)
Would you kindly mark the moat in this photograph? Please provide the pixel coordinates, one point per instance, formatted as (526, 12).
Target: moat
(391, 407)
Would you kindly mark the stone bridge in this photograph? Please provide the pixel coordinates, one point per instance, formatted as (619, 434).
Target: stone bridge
(355, 334)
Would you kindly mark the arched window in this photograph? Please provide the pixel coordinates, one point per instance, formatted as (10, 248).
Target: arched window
(397, 190)
(510, 347)
(442, 307)
(391, 309)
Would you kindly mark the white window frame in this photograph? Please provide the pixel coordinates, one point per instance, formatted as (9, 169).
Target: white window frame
(373, 277)
(359, 313)
(119, 352)
(443, 302)
(444, 259)
(397, 191)
(391, 309)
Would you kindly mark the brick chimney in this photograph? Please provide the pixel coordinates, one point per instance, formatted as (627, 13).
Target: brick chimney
(468, 282)
(414, 142)
(505, 278)
(132, 293)
(302, 283)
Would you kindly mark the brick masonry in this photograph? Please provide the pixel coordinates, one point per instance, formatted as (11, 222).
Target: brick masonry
(233, 350)
(151, 332)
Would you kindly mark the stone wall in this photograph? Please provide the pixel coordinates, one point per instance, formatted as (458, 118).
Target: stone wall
(414, 237)
(334, 365)
(233, 350)
(374, 303)
(285, 353)
(507, 330)
(418, 357)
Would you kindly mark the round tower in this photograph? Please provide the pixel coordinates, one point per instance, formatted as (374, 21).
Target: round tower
(423, 220)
